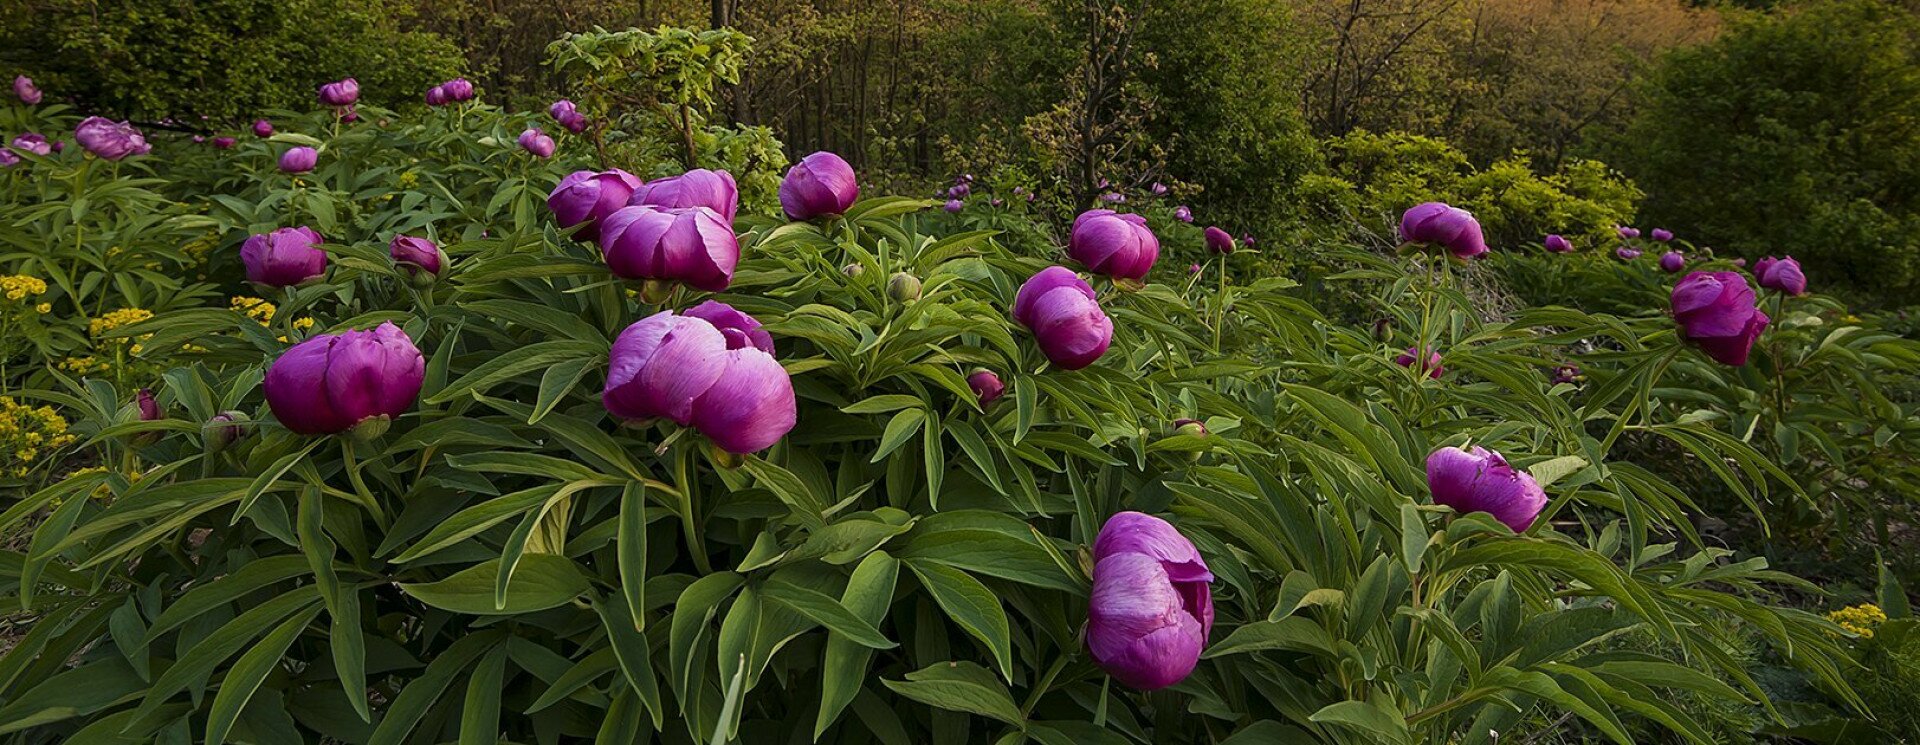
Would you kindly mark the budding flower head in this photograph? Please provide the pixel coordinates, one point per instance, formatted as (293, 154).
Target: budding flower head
(853, 270)
(903, 287)
(226, 428)
(1190, 427)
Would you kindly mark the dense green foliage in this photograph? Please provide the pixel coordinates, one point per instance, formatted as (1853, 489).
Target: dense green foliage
(1797, 132)
(226, 59)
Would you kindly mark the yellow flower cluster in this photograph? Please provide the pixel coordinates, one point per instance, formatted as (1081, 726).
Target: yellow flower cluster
(26, 434)
(409, 180)
(1859, 619)
(19, 286)
(255, 308)
(87, 365)
(116, 319)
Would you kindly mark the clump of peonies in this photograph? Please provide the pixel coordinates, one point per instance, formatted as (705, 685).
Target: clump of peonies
(284, 257)
(714, 190)
(110, 140)
(694, 245)
(1151, 606)
(1559, 244)
(1479, 480)
(684, 369)
(820, 185)
(1446, 226)
(585, 198)
(1218, 241)
(1717, 312)
(1781, 275)
(332, 383)
(299, 159)
(1117, 245)
(1429, 367)
(537, 142)
(568, 116)
(1065, 318)
(452, 91)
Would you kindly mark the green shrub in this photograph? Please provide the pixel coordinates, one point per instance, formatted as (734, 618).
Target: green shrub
(225, 59)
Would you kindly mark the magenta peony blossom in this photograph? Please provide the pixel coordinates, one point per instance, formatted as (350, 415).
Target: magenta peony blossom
(299, 159)
(1218, 241)
(262, 128)
(224, 143)
(149, 408)
(953, 206)
(1781, 275)
(1065, 318)
(284, 257)
(537, 142)
(699, 187)
(26, 91)
(340, 92)
(1626, 253)
(585, 198)
(330, 383)
(1113, 244)
(986, 385)
(1431, 366)
(680, 368)
(1661, 234)
(1183, 213)
(569, 116)
(1717, 311)
(694, 246)
(1440, 224)
(32, 143)
(1559, 244)
(417, 255)
(1151, 607)
(741, 330)
(110, 140)
(1627, 233)
(1479, 480)
(820, 185)
(1672, 261)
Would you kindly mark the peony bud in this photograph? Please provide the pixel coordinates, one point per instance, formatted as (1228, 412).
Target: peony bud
(8, 159)
(340, 92)
(1717, 312)
(299, 159)
(853, 270)
(24, 88)
(1439, 224)
(820, 185)
(741, 330)
(110, 140)
(1626, 253)
(437, 95)
(569, 117)
(986, 385)
(1218, 241)
(1382, 329)
(336, 383)
(680, 368)
(1113, 198)
(457, 90)
(1431, 367)
(1559, 244)
(1190, 427)
(349, 115)
(585, 198)
(694, 246)
(1781, 275)
(953, 206)
(1627, 233)
(1193, 268)
(1113, 244)
(714, 190)
(1151, 607)
(1158, 189)
(537, 142)
(32, 143)
(1479, 480)
(1061, 311)
(284, 257)
(224, 429)
(1661, 234)
(903, 287)
(262, 128)
(1567, 373)
(1183, 214)
(1672, 261)
(422, 259)
(149, 407)
(224, 143)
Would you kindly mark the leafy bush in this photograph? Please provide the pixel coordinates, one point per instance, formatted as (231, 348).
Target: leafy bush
(509, 562)
(1792, 133)
(224, 59)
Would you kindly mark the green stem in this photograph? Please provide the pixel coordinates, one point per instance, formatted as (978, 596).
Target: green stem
(689, 520)
(367, 499)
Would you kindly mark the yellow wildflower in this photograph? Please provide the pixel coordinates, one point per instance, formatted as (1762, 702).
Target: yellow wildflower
(255, 308)
(19, 286)
(27, 435)
(43, 308)
(303, 323)
(1859, 619)
(116, 319)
